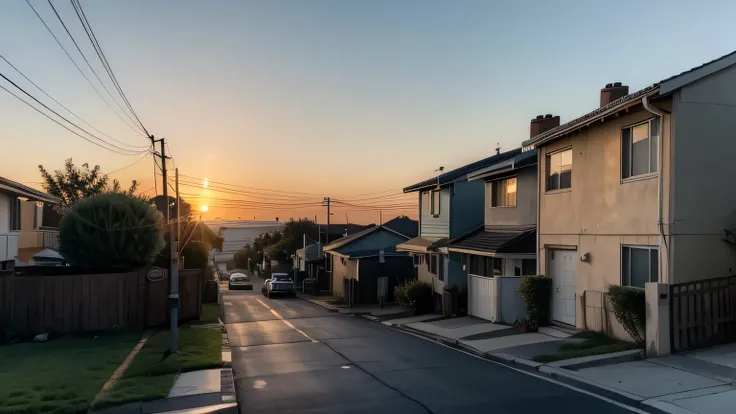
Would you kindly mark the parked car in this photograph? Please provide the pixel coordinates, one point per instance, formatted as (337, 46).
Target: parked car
(239, 281)
(280, 284)
(264, 288)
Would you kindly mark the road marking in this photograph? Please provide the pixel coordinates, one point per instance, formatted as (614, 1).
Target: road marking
(552, 380)
(287, 323)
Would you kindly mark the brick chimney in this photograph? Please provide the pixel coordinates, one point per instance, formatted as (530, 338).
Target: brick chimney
(613, 91)
(543, 123)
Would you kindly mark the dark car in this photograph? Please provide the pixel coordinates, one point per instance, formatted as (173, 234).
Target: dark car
(279, 284)
(239, 281)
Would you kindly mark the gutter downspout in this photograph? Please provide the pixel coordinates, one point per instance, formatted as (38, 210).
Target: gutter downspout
(660, 179)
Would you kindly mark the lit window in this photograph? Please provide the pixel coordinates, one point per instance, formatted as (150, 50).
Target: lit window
(504, 193)
(559, 170)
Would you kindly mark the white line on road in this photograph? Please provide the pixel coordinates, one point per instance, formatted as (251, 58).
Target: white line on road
(287, 323)
(552, 380)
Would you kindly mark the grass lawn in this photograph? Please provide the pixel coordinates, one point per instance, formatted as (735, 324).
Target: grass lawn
(152, 372)
(596, 343)
(210, 313)
(61, 375)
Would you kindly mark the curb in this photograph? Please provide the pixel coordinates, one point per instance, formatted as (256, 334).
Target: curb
(319, 303)
(558, 373)
(227, 377)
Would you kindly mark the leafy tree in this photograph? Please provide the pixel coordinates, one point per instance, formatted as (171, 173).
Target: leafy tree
(195, 255)
(73, 184)
(111, 230)
(160, 203)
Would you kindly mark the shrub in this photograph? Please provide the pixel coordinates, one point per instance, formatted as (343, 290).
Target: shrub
(535, 292)
(419, 295)
(195, 255)
(400, 295)
(111, 230)
(629, 306)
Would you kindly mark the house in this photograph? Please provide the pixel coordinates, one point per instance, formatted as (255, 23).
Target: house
(236, 234)
(503, 250)
(639, 190)
(359, 261)
(449, 206)
(28, 223)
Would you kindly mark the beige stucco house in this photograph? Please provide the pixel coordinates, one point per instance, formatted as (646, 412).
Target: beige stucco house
(639, 190)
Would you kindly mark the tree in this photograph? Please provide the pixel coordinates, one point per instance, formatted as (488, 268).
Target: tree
(72, 184)
(111, 230)
(186, 209)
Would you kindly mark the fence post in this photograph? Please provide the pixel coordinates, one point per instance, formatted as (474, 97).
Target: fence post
(657, 332)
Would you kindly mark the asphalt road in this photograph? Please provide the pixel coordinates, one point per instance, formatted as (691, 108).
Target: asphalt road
(291, 356)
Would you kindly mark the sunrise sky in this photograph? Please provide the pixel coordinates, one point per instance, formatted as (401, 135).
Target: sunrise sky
(348, 99)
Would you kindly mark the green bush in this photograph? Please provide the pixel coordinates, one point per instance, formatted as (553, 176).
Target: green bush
(111, 230)
(536, 293)
(195, 255)
(629, 306)
(400, 295)
(419, 296)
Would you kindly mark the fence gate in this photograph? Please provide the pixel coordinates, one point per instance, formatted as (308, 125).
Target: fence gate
(702, 313)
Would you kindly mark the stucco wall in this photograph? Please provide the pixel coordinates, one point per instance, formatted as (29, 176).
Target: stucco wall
(435, 227)
(4, 213)
(466, 205)
(704, 201)
(525, 212)
(424, 275)
(599, 212)
(338, 275)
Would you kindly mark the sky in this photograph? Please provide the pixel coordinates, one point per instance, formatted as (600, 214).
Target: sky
(348, 99)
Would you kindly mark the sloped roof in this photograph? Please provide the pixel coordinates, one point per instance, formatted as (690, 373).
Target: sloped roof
(403, 225)
(453, 175)
(509, 239)
(668, 85)
(25, 191)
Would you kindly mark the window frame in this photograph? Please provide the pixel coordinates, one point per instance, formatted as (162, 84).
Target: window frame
(548, 158)
(516, 191)
(431, 202)
(650, 174)
(649, 249)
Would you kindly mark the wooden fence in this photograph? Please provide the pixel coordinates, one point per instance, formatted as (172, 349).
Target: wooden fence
(703, 313)
(36, 303)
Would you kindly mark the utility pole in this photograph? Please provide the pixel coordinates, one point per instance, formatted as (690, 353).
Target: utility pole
(327, 202)
(173, 248)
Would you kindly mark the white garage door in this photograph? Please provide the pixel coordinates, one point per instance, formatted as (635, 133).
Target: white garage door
(563, 270)
(480, 297)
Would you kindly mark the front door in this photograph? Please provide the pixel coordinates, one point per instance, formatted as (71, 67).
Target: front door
(563, 270)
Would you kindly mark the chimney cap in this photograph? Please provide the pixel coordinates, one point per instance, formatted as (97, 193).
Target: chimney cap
(617, 84)
(540, 116)
(609, 85)
(548, 116)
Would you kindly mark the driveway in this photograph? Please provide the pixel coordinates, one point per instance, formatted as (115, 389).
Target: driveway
(291, 356)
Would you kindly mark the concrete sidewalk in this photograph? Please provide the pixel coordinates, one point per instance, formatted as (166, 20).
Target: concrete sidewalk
(700, 382)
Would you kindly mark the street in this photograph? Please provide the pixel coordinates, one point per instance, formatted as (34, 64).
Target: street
(291, 356)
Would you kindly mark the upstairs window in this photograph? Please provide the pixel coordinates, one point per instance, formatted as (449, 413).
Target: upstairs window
(435, 196)
(504, 193)
(639, 149)
(559, 170)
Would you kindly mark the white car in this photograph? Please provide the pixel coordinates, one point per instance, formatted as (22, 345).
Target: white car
(239, 281)
(280, 284)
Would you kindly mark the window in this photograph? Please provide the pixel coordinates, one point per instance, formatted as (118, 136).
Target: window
(435, 203)
(486, 266)
(639, 149)
(639, 265)
(504, 193)
(559, 170)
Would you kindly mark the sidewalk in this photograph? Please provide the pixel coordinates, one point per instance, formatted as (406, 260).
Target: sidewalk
(700, 382)
(374, 312)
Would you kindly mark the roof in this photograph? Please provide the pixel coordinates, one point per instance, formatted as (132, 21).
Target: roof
(25, 191)
(403, 225)
(453, 175)
(501, 239)
(387, 252)
(523, 160)
(347, 239)
(417, 244)
(662, 87)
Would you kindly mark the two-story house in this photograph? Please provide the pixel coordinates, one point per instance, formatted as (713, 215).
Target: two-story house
(449, 207)
(503, 250)
(28, 223)
(638, 190)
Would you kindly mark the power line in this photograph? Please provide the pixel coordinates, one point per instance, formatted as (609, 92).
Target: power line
(264, 196)
(126, 151)
(62, 105)
(254, 188)
(64, 126)
(80, 69)
(101, 55)
(125, 168)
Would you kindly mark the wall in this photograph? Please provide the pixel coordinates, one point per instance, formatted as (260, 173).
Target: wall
(704, 202)
(511, 306)
(600, 212)
(466, 205)
(435, 227)
(4, 213)
(339, 271)
(428, 277)
(525, 212)
(456, 275)
(397, 270)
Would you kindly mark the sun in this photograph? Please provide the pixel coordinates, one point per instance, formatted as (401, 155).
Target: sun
(204, 208)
